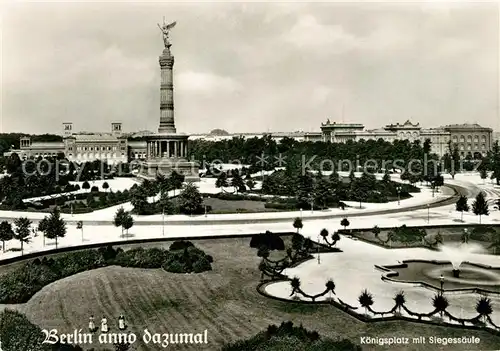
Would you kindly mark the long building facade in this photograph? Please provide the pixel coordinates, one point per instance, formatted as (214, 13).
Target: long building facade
(472, 140)
(79, 147)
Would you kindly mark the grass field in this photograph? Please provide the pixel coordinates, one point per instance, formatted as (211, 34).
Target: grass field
(223, 301)
(236, 206)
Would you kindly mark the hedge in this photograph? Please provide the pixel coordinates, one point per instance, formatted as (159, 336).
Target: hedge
(19, 285)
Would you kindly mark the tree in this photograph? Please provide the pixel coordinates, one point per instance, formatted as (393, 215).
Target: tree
(221, 181)
(344, 223)
(139, 201)
(483, 174)
(440, 303)
(190, 200)
(376, 231)
(105, 186)
(55, 227)
(483, 307)
(386, 178)
(237, 182)
(480, 206)
(165, 205)
(352, 177)
(400, 300)
(427, 146)
(119, 218)
(42, 227)
(330, 286)
(250, 183)
(295, 284)
(365, 299)
(462, 206)
(322, 192)
(324, 233)
(127, 222)
(335, 237)
(22, 231)
(6, 233)
(297, 223)
(176, 180)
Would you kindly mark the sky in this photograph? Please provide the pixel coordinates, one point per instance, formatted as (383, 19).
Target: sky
(249, 67)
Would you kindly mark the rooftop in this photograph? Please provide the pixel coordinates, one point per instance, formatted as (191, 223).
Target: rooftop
(466, 126)
(95, 137)
(407, 124)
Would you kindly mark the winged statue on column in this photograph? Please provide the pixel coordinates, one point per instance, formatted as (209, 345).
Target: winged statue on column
(165, 29)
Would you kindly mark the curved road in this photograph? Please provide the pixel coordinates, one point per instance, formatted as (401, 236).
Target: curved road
(457, 191)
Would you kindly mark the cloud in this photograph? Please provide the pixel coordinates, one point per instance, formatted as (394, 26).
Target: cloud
(249, 67)
(205, 83)
(308, 33)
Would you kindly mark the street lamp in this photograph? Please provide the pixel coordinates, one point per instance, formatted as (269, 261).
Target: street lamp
(163, 221)
(441, 280)
(301, 213)
(466, 237)
(399, 194)
(208, 197)
(318, 250)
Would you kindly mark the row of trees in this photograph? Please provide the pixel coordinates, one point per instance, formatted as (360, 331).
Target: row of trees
(33, 178)
(479, 206)
(250, 151)
(310, 190)
(235, 180)
(21, 231)
(52, 226)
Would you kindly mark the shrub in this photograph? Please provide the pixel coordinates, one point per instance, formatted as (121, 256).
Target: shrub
(191, 259)
(108, 253)
(18, 333)
(202, 265)
(173, 267)
(288, 337)
(94, 189)
(142, 258)
(270, 240)
(180, 245)
(19, 285)
(483, 233)
(286, 206)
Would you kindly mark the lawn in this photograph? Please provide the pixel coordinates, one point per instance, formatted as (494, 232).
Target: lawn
(224, 301)
(236, 206)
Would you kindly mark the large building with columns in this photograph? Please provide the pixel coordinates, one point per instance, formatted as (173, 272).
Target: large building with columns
(79, 147)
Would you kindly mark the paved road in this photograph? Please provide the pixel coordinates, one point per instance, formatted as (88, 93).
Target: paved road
(457, 191)
(452, 199)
